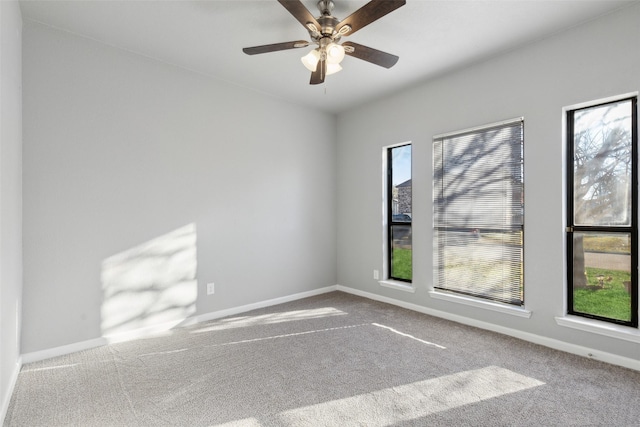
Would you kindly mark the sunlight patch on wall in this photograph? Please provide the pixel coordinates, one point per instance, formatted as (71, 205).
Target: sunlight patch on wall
(150, 287)
(416, 400)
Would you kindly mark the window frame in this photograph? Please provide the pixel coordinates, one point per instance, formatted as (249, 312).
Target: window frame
(460, 296)
(389, 279)
(571, 227)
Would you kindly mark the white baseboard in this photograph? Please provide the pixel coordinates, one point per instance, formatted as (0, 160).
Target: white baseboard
(537, 339)
(144, 332)
(613, 359)
(37, 356)
(9, 392)
(159, 329)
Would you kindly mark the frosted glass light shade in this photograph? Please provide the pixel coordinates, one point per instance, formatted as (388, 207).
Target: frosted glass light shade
(311, 59)
(333, 68)
(335, 53)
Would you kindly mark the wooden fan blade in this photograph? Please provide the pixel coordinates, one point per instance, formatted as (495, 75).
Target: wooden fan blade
(275, 47)
(368, 54)
(320, 73)
(301, 13)
(368, 13)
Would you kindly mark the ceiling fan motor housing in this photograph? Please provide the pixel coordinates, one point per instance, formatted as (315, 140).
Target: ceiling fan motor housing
(328, 24)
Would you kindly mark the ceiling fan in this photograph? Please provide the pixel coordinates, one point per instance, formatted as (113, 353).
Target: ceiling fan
(326, 32)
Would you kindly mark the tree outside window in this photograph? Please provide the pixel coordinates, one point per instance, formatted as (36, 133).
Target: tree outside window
(602, 213)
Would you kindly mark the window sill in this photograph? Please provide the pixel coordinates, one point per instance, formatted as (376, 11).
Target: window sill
(626, 333)
(487, 305)
(396, 284)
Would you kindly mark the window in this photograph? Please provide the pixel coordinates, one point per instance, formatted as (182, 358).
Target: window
(399, 206)
(602, 247)
(478, 212)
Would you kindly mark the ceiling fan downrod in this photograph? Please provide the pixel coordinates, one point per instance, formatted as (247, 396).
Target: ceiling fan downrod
(325, 7)
(327, 23)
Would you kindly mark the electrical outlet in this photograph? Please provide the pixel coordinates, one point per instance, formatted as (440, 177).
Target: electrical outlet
(210, 288)
(376, 275)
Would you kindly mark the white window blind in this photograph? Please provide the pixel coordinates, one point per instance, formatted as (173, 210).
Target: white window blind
(479, 218)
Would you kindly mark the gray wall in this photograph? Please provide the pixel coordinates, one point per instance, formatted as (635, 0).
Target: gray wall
(149, 166)
(596, 60)
(122, 154)
(10, 196)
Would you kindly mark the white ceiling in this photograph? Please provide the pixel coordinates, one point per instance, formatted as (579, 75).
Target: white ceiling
(430, 37)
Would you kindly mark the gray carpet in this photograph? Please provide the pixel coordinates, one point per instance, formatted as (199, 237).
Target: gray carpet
(330, 360)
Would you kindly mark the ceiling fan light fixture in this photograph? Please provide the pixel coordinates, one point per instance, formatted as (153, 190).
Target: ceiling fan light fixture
(335, 53)
(326, 32)
(333, 68)
(311, 59)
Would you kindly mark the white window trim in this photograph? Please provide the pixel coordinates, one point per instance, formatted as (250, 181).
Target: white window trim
(599, 327)
(479, 128)
(592, 103)
(481, 303)
(396, 284)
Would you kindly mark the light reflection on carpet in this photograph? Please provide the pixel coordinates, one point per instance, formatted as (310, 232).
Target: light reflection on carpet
(268, 319)
(416, 400)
